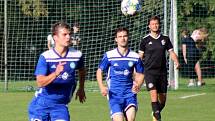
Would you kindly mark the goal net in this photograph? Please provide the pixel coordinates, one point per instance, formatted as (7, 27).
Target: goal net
(29, 22)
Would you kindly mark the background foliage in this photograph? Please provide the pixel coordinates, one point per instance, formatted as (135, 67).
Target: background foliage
(194, 14)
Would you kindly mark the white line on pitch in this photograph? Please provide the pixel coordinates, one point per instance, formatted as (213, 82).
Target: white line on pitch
(188, 96)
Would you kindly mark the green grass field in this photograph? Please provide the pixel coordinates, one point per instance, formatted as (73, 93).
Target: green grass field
(197, 108)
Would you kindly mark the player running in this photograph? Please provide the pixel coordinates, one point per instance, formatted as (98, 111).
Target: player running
(55, 74)
(120, 64)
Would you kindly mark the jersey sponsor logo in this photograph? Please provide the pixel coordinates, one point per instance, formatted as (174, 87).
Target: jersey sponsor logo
(130, 63)
(118, 72)
(65, 76)
(72, 65)
(126, 72)
(163, 42)
(115, 64)
(53, 66)
(150, 43)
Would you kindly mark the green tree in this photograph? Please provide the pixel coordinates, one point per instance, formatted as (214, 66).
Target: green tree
(34, 8)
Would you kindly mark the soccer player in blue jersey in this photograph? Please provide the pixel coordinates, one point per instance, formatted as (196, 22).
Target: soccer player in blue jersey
(120, 64)
(153, 49)
(55, 78)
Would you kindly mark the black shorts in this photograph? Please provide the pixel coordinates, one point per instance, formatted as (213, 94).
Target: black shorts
(158, 82)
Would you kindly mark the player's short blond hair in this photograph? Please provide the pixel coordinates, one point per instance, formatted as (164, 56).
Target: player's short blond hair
(200, 34)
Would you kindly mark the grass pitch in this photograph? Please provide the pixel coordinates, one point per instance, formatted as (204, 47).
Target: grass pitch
(185, 104)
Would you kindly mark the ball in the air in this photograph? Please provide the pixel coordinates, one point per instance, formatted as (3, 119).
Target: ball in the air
(130, 7)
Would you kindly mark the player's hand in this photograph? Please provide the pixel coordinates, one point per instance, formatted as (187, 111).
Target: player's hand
(104, 91)
(135, 88)
(59, 68)
(80, 94)
(177, 65)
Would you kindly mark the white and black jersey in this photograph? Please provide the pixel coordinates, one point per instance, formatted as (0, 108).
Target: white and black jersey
(154, 50)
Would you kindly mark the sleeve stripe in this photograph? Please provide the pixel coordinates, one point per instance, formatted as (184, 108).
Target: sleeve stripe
(170, 49)
(140, 51)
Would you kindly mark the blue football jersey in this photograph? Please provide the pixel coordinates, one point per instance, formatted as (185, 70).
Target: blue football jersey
(119, 70)
(63, 86)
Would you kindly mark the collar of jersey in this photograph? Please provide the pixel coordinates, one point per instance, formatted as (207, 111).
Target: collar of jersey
(154, 37)
(121, 54)
(60, 55)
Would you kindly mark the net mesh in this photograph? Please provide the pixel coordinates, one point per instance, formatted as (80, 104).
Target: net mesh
(29, 22)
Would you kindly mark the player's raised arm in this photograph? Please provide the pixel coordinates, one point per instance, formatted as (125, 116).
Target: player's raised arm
(43, 80)
(55, 73)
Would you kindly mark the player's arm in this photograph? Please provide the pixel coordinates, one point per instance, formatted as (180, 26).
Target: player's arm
(138, 76)
(43, 80)
(81, 74)
(80, 92)
(142, 49)
(184, 52)
(141, 55)
(102, 87)
(174, 57)
(138, 81)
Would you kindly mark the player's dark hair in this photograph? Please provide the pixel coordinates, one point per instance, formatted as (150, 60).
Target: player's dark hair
(120, 29)
(58, 25)
(185, 32)
(154, 18)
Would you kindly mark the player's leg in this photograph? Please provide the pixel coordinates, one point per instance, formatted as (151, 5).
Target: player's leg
(151, 87)
(161, 86)
(155, 104)
(59, 112)
(199, 74)
(162, 100)
(191, 71)
(162, 90)
(130, 114)
(116, 110)
(117, 117)
(130, 108)
(37, 111)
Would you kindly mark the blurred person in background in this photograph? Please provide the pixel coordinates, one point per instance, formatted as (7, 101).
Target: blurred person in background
(191, 54)
(50, 42)
(75, 37)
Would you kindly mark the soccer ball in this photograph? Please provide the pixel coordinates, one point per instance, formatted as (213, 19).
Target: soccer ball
(130, 7)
